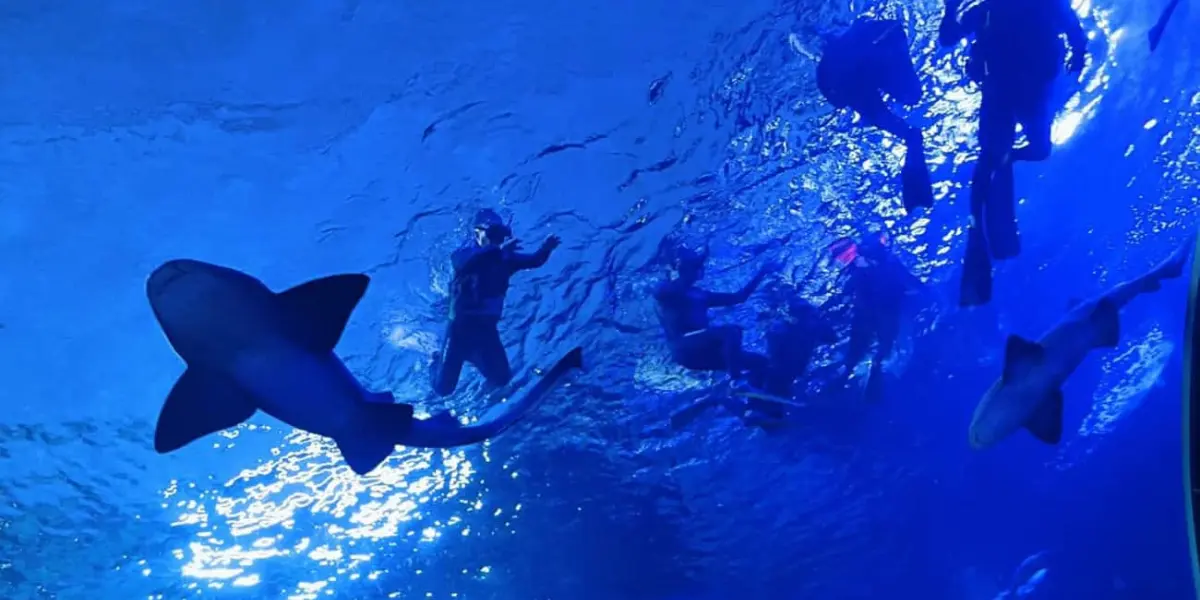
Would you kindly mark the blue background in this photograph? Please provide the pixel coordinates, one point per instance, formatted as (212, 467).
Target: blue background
(293, 140)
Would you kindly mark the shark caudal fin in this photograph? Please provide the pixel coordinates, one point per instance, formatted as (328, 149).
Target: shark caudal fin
(502, 416)
(385, 425)
(446, 432)
(1173, 266)
(200, 404)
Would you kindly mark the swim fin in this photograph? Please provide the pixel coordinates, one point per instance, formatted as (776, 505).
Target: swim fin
(684, 416)
(1156, 32)
(1004, 240)
(976, 287)
(917, 187)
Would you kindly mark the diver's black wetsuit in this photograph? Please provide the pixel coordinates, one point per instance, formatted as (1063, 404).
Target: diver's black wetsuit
(856, 69)
(791, 343)
(878, 286)
(694, 343)
(1016, 57)
(481, 279)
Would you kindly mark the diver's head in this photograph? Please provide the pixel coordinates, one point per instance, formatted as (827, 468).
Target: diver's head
(798, 307)
(689, 264)
(875, 246)
(490, 229)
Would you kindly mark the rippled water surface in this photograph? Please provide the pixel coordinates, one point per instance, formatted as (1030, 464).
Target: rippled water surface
(293, 141)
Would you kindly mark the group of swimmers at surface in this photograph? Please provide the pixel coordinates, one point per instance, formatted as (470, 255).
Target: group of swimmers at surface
(249, 349)
(1015, 56)
(875, 278)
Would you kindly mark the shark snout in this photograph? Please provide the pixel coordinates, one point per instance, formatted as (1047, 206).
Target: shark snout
(166, 274)
(976, 436)
(977, 443)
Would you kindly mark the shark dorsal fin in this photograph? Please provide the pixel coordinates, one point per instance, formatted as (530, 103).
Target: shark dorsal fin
(317, 310)
(1020, 355)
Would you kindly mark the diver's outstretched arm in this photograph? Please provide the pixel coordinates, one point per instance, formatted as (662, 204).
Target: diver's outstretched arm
(521, 261)
(721, 299)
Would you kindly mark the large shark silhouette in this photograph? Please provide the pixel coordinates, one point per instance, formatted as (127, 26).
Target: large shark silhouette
(248, 349)
(1029, 393)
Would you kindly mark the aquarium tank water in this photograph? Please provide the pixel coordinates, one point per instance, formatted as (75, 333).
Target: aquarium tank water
(295, 140)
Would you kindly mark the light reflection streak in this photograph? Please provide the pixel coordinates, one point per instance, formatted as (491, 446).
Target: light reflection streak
(304, 504)
(1127, 380)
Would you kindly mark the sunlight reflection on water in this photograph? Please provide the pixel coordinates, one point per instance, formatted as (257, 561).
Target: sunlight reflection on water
(303, 507)
(304, 504)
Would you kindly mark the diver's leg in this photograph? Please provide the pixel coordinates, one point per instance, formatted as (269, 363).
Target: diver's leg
(887, 329)
(874, 112)
(862, 338)
(755, 367)
(1000, 217)
(1036, 115)
(490, 357)
(448, 363)
(898, 75)
(995, 142)
(702, 351)
(748, 367)
(917, 189)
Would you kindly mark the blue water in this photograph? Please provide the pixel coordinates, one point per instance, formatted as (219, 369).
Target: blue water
(294, 140)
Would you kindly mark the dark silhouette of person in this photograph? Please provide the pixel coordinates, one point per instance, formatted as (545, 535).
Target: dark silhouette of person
(856, 69)
(482, 272)
(1016, 55)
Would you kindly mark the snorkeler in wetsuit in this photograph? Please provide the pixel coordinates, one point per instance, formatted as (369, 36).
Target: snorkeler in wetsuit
(481, 278)
(856, 69)
(877, 285)
(1016, 57)
(694, 342)
(792, 340)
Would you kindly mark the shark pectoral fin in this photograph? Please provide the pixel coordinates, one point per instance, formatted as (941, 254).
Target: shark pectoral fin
(1020, 355)
(320, 308)
(384, 425)
(198, 405)
(1046, 422)
(380, 398)
(1106, 319)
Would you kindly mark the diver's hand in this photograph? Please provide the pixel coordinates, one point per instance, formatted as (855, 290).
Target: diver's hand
(550, 244)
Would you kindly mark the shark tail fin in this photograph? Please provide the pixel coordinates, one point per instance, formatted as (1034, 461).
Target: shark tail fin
(444, 431)
(1173, 266)
(365, 450)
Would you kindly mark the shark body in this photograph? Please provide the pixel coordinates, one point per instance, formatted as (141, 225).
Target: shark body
(1029, 392)
(250, 349)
